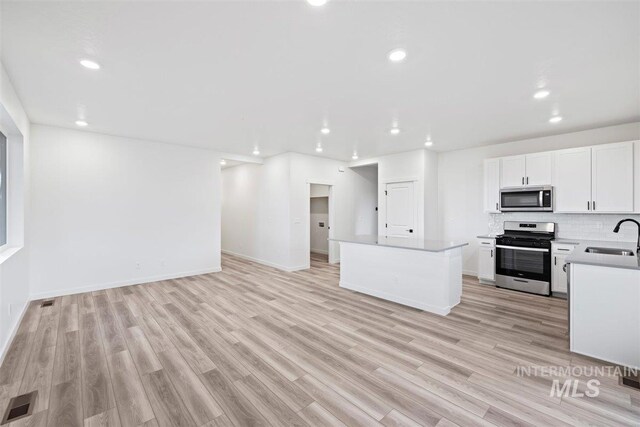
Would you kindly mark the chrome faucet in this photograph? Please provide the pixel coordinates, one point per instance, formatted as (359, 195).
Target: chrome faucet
(617, 228)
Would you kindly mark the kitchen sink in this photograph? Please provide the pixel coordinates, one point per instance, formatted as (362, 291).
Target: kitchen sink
(609, 251)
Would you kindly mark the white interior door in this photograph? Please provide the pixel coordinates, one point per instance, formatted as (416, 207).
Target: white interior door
(401, 209)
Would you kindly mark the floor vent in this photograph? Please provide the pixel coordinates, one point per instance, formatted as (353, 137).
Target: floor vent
(47, 303)
(633, 382)
(19, 407)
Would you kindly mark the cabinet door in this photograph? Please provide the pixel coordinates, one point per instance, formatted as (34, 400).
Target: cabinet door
(636, 173)
(572, 180)
(486, 264)
(538, 169)
(512, 171)
(559, 276)
(612, 177)
(492, 185)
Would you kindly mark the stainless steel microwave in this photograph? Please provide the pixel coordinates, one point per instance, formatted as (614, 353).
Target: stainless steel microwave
(525, 199)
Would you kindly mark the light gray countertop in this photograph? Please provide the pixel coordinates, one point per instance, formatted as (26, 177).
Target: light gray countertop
(401, 242)
(579, 256)
(486, 236)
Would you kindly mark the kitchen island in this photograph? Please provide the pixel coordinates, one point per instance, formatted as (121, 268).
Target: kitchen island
(424, 274)
(604, 301)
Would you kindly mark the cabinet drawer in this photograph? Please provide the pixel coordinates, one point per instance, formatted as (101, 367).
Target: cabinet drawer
(487, 243)
(562, 248)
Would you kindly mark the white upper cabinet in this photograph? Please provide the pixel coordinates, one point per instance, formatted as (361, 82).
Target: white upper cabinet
(513, 171)
(529, 170)
(492, 185)
(636, 185)
(612, 177)
(538, 169)
(596, 179)
(572, 180)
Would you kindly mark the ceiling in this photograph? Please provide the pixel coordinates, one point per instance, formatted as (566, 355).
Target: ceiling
(234, 75)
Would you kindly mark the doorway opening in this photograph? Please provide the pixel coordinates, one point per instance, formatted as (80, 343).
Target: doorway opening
(319, 225)
(365, 200)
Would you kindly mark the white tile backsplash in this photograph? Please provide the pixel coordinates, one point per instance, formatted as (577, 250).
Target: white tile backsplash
(574, 226)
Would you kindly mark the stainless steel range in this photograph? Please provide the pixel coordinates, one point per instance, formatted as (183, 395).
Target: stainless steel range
(523, 256)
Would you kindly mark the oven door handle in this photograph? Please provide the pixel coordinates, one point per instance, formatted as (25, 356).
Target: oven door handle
(517, 248)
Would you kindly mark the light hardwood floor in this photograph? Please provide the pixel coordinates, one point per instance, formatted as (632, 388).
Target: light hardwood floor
(255, 346)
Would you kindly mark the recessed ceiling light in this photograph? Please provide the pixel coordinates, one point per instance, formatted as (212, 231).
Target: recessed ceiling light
(397, 55)
(223, 162)
(395, 131)
(355, 156)
(428, 143)
(325, 130)
(555, 119)
(81, 123)
(319, 149)
(256, 152)
(92, 65)
(541, 94)
(317, 2)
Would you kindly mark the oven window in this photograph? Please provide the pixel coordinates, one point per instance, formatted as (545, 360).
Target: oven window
(525, 199)
(522, 261)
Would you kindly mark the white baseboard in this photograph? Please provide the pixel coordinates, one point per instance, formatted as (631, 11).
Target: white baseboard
(12, 333)
(137, 281)
(320, 251)
(267, 263)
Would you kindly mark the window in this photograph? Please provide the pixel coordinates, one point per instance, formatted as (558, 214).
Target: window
(3, 190)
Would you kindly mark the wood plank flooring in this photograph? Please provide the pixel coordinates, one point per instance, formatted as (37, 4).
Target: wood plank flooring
(256, 346)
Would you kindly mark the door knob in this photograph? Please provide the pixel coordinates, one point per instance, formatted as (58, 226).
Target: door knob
(410, 230)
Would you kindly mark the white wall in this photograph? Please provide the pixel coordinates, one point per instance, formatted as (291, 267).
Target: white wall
(460, 177)
(108, 211)
(306, 170)
(319, 220)
(255, 211)
(279, 191)
(14, 261)
(420, 167)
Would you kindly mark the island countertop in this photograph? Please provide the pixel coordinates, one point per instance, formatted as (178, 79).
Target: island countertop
(401, 242)
(579, 256)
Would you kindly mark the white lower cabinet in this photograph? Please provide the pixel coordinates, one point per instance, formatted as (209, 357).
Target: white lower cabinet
(559, 253)
(487, 260)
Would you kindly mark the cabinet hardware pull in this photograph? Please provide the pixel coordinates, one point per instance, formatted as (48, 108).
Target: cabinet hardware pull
(563, 249)
(564, 268)
(588, 206)
(496, 206)
(527, 180)
(523, 180)
(555, 260)
(491, 253)
(594, 205)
